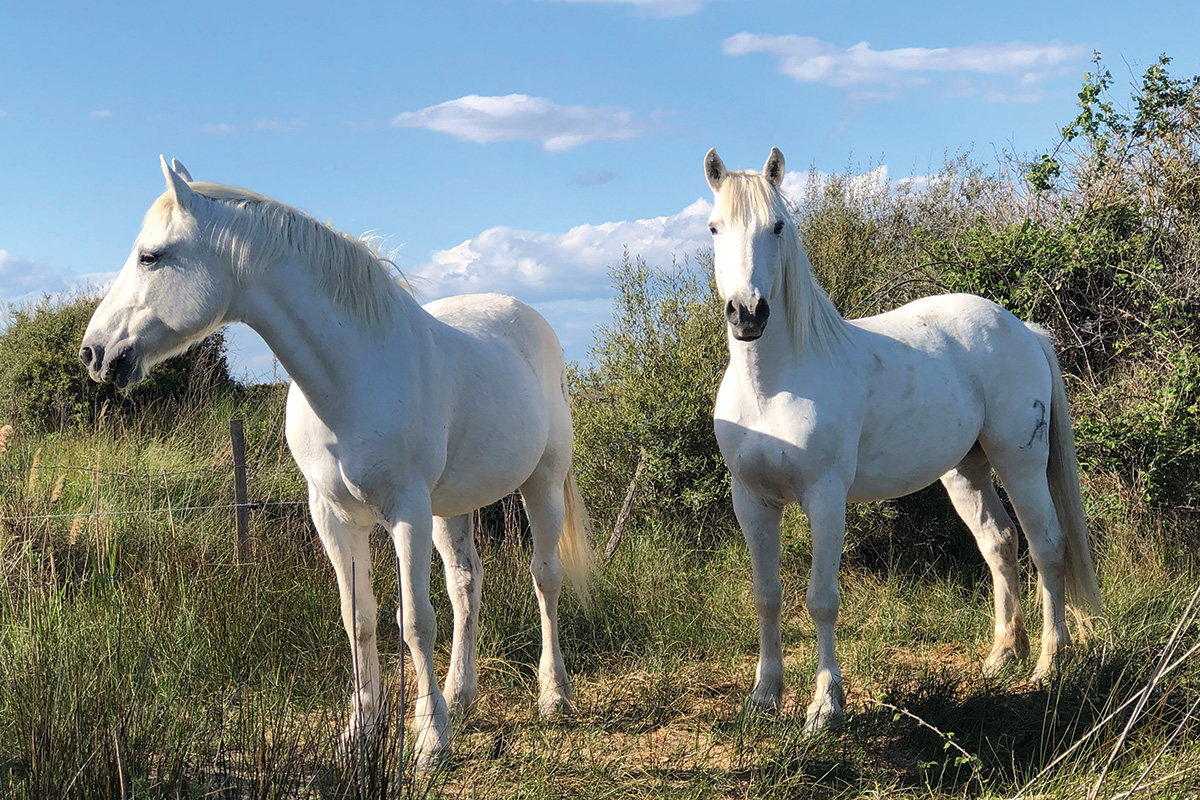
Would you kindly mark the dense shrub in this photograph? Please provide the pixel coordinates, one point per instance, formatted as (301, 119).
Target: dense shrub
(651, 385)
(44, 387)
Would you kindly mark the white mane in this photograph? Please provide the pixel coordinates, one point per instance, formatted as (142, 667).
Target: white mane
(812, 320)
(261, 232)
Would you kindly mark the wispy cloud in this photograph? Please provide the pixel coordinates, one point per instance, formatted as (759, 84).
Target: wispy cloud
(652, 8)
(520, 117)
(216, 127)
(101, 113)
(592, 177)
(279, 125)
(23, 279)
(882, 73)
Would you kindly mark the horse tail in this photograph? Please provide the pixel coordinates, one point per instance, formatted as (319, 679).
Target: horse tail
(574, 544)
(1062, 472)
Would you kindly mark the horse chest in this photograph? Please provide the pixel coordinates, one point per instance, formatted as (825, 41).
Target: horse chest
(778, 448)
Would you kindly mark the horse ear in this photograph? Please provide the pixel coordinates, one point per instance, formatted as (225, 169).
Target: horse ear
(181, 170)
(773, 169)
(184, 195)
(714, 169)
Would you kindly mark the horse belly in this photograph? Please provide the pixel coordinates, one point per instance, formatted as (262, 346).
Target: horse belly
(912, 451)
(497, 446)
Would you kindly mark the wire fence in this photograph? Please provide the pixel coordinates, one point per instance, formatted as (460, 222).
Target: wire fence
(229, 467)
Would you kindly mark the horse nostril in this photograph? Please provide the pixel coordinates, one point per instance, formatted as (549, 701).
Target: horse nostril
(91, 357)
(730, 312)
(761, 311)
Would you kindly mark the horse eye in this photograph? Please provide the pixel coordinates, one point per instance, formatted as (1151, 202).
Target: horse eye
(712, 229)
(779, 227)
(148, 259)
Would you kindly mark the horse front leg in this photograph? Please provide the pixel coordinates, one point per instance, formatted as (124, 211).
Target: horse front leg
(760, 525)
(455, 541)
(825, 504)
(411, 521)
(347, 543)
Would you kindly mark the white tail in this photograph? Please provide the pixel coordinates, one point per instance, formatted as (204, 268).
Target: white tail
(1062, 472)
(575, 542)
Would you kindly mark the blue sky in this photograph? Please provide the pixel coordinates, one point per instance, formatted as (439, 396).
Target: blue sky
(518, 145)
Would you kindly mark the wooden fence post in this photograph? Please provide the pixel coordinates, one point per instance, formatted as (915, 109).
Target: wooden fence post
(618, 532)
(242, 509)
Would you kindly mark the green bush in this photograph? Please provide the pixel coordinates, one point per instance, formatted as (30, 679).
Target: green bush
(651, 385)
(43, 386)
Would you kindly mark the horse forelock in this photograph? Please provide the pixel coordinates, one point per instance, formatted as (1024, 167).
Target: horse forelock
(260, 232)
(746, 197)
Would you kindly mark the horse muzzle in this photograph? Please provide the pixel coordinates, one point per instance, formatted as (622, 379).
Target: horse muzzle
(122, 369)
(747, 323)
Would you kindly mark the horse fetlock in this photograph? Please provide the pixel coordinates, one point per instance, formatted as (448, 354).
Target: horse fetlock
(1051, 660)
(1010, 647)
(460, 698)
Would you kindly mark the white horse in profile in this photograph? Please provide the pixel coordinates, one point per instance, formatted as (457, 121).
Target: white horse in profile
(822, 411)
(409, 416)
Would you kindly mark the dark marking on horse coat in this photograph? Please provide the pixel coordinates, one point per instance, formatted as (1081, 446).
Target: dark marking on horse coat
(1039, 429)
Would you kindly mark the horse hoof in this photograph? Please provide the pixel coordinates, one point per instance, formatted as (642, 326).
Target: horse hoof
(459, 705)
(999, 659)
(762, 701)
(554, 706)
(825, 711)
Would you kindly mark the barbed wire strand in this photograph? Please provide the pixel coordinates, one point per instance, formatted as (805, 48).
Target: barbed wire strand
(252, 505)
(280, 469)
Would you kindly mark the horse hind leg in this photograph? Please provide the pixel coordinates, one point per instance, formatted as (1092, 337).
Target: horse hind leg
(1025, 481)
(455, 542)
(546, 507)
(975, 499)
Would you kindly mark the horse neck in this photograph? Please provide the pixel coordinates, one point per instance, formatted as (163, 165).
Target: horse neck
(326, 350)
(762, 362)
(769, 362)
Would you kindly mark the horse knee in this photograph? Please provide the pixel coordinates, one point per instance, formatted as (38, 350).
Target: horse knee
(418, 627)
(822, 603)
(768, 599)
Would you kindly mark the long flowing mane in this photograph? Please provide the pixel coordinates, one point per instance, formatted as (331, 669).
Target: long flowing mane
(812, 320)
(261, 232)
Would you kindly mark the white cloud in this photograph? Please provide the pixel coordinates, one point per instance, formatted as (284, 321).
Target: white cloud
(102, 113)
(541, 267)
(216, 127)
(517, 116)
(652, 8)
(884, 72)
